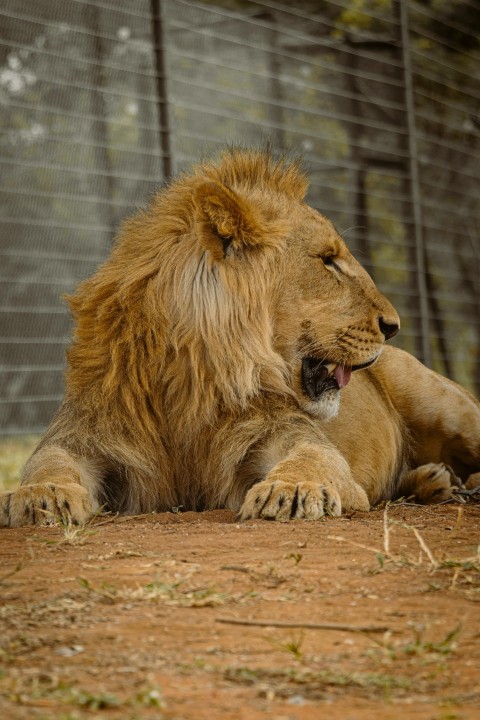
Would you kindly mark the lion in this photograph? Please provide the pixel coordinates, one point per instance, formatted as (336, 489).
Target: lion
(230, 354)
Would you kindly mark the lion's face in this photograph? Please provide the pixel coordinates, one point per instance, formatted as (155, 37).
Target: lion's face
(276, 291)
(329, 317)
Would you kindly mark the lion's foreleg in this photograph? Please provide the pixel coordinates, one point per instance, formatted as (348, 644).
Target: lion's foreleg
(55, 486)
(311, 481)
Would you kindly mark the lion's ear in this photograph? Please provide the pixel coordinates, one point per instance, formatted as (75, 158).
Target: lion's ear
(225, 220)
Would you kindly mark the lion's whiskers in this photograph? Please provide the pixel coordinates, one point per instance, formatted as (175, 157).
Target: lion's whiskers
(330, 346)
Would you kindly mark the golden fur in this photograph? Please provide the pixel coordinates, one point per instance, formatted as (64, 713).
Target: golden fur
(207, 361)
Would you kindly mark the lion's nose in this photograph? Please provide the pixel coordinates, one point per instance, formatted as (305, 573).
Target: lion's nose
(388, 329)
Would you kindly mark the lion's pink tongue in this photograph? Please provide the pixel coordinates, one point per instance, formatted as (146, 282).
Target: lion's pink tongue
(342, 375)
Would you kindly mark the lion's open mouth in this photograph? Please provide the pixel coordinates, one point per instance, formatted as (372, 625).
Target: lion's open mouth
(318, 376)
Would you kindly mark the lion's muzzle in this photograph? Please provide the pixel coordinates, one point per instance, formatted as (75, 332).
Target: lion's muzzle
(319, 376)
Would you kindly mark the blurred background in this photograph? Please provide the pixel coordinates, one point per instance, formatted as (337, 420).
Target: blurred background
(102, 100)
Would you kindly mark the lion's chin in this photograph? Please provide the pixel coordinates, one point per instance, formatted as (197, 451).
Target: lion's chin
(325, 408)
(321, 382)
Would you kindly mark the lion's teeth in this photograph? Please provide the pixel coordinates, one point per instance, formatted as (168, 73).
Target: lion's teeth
(330, 368)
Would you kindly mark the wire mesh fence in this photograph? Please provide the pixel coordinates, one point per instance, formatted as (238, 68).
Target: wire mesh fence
(101, 101)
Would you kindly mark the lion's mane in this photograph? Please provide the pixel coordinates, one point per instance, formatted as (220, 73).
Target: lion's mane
(164, 344)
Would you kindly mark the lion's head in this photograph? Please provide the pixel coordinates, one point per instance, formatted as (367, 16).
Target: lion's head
(227, 287)
(329, 317)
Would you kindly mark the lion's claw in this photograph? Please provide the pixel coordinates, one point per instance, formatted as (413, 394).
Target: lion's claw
(45, 504)
(283, 501)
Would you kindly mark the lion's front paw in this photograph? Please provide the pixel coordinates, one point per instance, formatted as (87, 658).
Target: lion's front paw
(45, 504)
(283, 501)
(433, 483)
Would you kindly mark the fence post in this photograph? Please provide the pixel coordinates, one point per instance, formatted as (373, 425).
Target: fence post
(160, 54)
(402, 13)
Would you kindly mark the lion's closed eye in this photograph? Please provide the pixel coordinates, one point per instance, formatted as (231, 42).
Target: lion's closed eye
(328, 260)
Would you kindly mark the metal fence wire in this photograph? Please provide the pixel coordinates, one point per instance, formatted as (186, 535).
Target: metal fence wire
(101, 100)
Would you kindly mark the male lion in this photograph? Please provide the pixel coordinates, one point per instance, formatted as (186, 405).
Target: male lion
(208, 360)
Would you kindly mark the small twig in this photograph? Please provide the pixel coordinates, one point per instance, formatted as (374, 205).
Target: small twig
(459, 517)
(306, 626)
(339, 538)
(13, 572)
(386, 532)
(235, 568)
(465, 492)
(126, 518)
(456, 573)
(424, 547)
(107, 520)
(19, 566)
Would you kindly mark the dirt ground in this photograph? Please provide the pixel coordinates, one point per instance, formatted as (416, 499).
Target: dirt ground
(184, 616)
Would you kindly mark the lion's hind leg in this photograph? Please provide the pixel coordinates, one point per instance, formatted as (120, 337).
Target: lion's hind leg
(472, 487)
(55, 487)
(430, 483)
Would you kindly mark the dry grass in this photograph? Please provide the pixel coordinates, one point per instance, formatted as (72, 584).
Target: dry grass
(465, 569)
(170, 592)
(14, 452)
